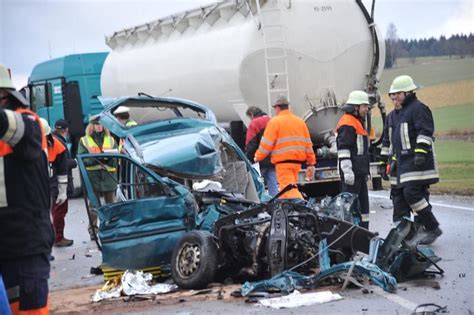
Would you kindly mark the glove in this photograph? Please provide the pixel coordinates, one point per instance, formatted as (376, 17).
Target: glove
(62, 196)
(420, 160)
(346, 166)
(309, 175)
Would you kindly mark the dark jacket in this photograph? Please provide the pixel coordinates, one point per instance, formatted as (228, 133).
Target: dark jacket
(71, 163)
(25, 223)
(57, 157)
(353, 143)
(252, 140)
(413, 132)
(386, 152)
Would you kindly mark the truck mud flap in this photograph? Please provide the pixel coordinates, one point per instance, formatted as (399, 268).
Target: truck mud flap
(276, 243)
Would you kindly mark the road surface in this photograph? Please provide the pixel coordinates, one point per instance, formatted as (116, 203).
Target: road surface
(71, 269)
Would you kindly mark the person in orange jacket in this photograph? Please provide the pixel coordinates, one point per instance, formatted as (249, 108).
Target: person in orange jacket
(26, 232)
(287, 140)
(58, 180)
(353, 151)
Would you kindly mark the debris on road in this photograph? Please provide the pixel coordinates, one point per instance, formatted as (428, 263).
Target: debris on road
(297, 299)
(130, 284)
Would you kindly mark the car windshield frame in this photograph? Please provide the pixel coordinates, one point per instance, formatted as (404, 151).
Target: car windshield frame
(145, 111)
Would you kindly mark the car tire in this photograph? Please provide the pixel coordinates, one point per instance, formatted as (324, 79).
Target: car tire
(194, 260)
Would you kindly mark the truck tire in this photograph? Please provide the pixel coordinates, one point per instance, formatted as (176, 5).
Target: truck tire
(194, 260)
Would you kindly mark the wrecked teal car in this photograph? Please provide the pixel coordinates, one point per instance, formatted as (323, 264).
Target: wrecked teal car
(177, 171)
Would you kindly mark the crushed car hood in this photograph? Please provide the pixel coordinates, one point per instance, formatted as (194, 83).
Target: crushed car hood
(193, 152)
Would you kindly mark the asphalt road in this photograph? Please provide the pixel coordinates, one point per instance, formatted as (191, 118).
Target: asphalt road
(71, 268)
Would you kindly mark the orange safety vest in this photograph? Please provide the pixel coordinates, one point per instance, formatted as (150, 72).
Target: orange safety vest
(287, 139)
(6, 149)
(55, 150)
(93, 148)
(351, 120)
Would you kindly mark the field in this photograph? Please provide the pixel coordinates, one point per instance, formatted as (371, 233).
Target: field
(448, 89)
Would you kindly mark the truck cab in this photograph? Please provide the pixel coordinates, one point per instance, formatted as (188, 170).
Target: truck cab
(67, 88)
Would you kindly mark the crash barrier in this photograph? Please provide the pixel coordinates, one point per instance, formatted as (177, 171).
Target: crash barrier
(111, 273)
(4, 306)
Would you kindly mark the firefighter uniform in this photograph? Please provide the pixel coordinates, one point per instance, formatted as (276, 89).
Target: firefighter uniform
(287, 139)
(353, 149)
(58, 162)
(415, 168)
(412, 135)
(26, 233)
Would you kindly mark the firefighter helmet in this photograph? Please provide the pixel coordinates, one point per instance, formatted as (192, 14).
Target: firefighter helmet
(45, 126)
(355, 98)
(402, 83)
(7, 84)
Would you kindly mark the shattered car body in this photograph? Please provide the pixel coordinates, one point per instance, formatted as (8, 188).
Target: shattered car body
(181, 140)
(158, 218)
(262, 242)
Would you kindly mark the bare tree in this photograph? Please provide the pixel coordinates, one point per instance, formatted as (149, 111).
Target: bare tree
(391, 43)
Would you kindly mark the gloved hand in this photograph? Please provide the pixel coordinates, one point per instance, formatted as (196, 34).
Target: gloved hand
(62, 196)
(309, 175)
(420, 160)
(346, 167)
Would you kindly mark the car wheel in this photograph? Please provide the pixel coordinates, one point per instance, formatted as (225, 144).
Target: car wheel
(194, 260)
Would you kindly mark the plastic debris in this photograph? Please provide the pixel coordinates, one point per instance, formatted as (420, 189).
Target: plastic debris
(111, 289)
(137, 282)
(208, 185)
(297, 299)
(131, 283)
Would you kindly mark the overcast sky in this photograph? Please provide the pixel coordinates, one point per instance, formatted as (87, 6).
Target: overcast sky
(33, 30)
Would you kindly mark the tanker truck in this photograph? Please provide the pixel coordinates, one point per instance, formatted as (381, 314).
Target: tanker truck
(239, 53)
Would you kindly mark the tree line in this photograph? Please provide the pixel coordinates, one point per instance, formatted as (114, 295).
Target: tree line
(458, 45)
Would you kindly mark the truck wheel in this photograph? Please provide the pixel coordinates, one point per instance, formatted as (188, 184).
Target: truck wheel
(194, 260)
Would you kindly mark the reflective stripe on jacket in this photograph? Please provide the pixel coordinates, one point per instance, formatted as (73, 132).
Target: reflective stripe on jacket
(353, 143)
(413, 132)
(93, 148)
(25, 222)
(287, 139)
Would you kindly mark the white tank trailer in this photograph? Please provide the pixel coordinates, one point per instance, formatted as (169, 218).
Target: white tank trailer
(239, 53)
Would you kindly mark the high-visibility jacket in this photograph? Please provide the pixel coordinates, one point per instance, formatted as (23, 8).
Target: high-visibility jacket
(412, 134)
(131, 123)
(353, 143)
(25, 223)
(287, 139)
(92, 147)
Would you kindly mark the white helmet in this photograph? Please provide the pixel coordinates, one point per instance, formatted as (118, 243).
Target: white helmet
(45, 126)
(7, 84)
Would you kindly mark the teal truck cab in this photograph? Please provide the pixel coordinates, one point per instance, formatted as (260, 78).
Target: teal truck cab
(67, 88)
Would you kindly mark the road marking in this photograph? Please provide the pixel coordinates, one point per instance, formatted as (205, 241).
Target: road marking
(437, 204)
(409, 305)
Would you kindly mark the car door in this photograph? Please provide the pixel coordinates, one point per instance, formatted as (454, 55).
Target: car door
(147, 218)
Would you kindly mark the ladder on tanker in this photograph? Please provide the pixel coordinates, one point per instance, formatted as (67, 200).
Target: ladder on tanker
(276, 61)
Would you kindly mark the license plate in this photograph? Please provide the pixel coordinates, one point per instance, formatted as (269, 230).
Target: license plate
(328, 174)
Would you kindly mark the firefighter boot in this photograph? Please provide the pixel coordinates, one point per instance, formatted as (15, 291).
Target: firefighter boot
(423, 237)
(431, 236)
